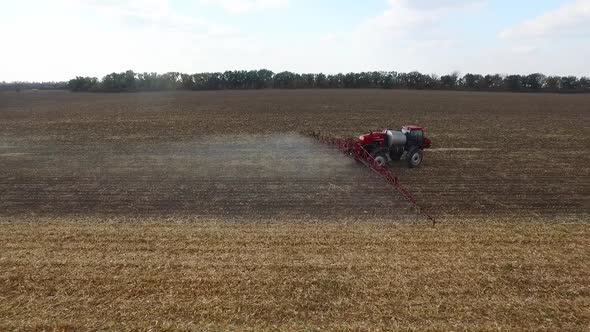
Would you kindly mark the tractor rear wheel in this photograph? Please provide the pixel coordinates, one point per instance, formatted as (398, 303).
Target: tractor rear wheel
(415, 158)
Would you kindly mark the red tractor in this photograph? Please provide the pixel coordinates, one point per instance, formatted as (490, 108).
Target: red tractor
(388, 145)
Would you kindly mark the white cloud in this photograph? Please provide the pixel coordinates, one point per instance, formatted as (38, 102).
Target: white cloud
(327, 37)
(438, 4)
(65, 38)
(524, 49)
(155, 13)
(243, 6)
(404, 16)
(431, 44)
(408, 33)
(572, 19)
(116, 36)
(539, 44)
(139, 8)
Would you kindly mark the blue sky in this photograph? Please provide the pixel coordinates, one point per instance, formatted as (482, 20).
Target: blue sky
(59, 39)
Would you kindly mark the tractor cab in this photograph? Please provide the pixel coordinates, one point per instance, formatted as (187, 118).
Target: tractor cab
(415, 136)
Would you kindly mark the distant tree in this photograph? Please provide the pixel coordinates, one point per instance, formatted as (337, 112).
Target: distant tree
(308, 81)
(250, 80)
(552, 83)
(395, 79)
(472, 81)
(584, 84)
(388, 80)
(209, 81)
(435, 82)
(80, 83)
(114, 82)
(149, 82)
(187, 82)
(414, 80)
(285, 80)
(215, 81)
(336, 81)
(237, 79)
(569, 83)
(492, 82)
(534, 81)
(513, 83)
(130, 83)
(171, 81)
(449, 81)
(376, 79)
(321, 81)
(364, 80)
(264, 79)
(350, 80)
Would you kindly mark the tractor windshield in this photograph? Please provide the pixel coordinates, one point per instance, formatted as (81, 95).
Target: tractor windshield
(417, 135)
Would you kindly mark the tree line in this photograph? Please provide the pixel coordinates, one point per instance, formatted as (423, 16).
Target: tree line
(130, 81)
(18, 86)
(261, 79)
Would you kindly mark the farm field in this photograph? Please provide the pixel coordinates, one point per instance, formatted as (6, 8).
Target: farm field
(210, 210)
(86, 274)
(494, 153)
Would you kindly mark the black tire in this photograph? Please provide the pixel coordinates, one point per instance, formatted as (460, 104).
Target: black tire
(381, 159)
(415, 158)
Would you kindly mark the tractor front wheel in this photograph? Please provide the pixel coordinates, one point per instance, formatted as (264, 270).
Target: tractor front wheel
(415, 158)
(381, 159)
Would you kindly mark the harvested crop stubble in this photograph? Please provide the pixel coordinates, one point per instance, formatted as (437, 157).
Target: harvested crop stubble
(293, 275)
